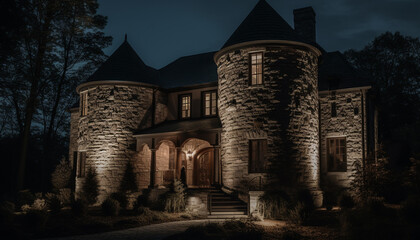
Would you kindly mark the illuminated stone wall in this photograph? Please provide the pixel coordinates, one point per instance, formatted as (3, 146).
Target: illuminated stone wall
(106, 133)
(286, 104)
(347, 124)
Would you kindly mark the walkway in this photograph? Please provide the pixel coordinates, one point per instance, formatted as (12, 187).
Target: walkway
(150, 232)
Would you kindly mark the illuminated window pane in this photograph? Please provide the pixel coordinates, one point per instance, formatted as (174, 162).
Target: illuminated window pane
(186, 106)
(256, 69)
(83, 103)
(210, 103)
(336, 155)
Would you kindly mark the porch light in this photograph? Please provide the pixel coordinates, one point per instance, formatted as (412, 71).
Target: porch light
(189, 154)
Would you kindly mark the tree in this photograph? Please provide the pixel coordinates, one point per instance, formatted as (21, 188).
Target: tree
(393, 62)
(90, 189)
(62, 43)
(128, 182)
(62, 175)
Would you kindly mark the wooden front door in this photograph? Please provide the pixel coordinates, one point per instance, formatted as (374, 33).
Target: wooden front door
(204, 168)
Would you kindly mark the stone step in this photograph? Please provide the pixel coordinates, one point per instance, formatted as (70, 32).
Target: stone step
(224, 216)
(228, 213)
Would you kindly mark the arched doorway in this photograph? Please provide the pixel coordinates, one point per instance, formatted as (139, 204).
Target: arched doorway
(204, 168)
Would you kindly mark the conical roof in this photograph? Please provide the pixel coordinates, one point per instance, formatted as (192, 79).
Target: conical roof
(124, 65)
(263, 23)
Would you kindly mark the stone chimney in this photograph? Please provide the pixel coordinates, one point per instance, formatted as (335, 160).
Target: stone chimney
(304, 19)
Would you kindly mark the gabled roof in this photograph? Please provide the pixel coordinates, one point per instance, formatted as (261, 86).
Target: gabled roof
(124, 65)
(335, 72)
(263, 23)
(188, 71)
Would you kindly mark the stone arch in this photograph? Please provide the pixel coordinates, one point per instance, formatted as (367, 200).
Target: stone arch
(165, 162)
(190, 147)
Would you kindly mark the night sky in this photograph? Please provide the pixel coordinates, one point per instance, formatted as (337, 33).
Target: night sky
(164, 30)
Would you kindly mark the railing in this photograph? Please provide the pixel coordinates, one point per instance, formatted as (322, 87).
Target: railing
(165, 177)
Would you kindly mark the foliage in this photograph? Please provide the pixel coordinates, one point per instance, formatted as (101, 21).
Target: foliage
(24, 197)
(61, 176)
(79, 207)
(392, 61)
(345, 201)
(65, 195)
(121, 198)
(274, 205)
(54, 203)
(129, 182)
(175, 200)
(111, 207)
(40, 204)
(299, 213)
(141, 201)
(90, 188)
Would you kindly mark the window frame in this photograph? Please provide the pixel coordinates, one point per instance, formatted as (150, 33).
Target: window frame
(84, 103)
(250, 65)
(342, 151)
(180, 105)
(81, 164)
(203, 103)
(258, 165)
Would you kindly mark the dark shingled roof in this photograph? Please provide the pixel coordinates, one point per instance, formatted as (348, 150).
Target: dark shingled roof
(189, 70)
(263, 23)
(125, 65)
(335, 72)
(184, 126)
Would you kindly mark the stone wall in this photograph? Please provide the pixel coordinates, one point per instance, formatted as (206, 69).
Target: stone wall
(106, 132)
(348, 124)
(284, 108)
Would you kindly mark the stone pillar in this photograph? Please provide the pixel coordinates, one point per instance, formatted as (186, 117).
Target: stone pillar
(178, 163)
(217, 165)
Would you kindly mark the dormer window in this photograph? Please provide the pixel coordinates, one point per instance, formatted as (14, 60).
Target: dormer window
(83, 103)
(185, 106)
(256, 68)
(209, 103)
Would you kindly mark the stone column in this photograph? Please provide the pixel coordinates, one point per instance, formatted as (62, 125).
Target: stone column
(217, 165)
(178, 163)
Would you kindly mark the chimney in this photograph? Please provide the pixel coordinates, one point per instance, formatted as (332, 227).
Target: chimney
(304, 19)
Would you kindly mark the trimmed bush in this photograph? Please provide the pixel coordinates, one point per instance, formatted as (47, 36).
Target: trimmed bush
(24, 197)
(65, 195)
(90, 188)
(129, 182)
(345, 201)
(61, 176)
(40, 204)
(142, 201)
(79, 207)
(54, 203)
(274, 205)
(121, 198)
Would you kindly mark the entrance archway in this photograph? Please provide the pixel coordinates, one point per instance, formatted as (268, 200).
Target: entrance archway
(204, 168)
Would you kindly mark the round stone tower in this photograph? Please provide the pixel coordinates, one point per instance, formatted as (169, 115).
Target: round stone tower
(115, 101)
(281, 108)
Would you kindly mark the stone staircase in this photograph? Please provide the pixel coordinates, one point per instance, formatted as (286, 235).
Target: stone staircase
(223, 205)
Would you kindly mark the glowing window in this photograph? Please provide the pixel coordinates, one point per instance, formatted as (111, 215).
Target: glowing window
(256, 68)
(210, 103)
(257, 160)
(333, 109)
(185, 102)
(83, 103)
(336, 155)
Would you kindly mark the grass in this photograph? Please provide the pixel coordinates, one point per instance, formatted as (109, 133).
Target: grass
(67, 224)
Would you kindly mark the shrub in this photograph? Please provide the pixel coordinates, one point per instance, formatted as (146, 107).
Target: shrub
(345, 201)
(121, 198)
(61, 176)
(129, 182)
(54, 203)
(111, 207)
(375, 205)
(141, 201)
(39, 204)
(175, 200)
(24, 197)
(79, 207)
(274, 205)
(304, 196)
(90, 188)
(65, 195)
(25, 208)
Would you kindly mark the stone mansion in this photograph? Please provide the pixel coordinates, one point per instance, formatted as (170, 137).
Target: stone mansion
(223, 119)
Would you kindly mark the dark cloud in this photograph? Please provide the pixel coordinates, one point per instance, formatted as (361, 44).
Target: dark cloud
(163, 30)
